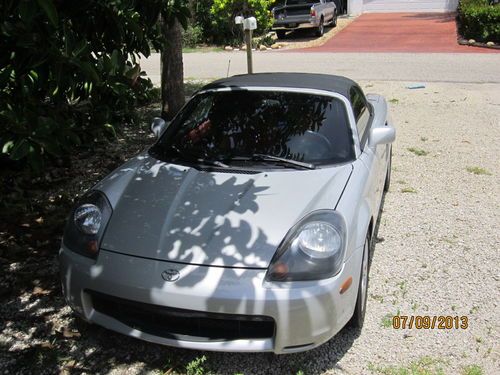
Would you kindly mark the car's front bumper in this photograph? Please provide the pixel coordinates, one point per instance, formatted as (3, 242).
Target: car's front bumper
(306, 314)
(291, 23)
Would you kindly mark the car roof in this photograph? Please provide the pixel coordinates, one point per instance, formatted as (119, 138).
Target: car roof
(325, 82)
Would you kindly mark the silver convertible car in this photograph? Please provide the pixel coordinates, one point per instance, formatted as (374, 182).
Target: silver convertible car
(246, 226)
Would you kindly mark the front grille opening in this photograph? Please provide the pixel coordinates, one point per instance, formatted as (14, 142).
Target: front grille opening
(181, 324)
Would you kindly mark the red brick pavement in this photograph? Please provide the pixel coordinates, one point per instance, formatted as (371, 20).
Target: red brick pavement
(399, 32)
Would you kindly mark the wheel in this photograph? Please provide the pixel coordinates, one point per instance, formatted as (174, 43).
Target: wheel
(321, 28)
(388, 175)
(359, 312)
(281, 34)
(334, 20)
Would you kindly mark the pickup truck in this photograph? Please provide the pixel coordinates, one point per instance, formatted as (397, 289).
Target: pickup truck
(302, 14)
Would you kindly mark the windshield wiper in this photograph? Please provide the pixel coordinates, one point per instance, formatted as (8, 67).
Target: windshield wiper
(193, 159)
(214, 163)
(264, 157)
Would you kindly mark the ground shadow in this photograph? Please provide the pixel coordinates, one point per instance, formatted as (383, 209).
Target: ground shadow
(437, 17)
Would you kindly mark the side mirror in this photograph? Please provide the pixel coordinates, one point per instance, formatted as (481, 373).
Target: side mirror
(158, 126)
(381, 136)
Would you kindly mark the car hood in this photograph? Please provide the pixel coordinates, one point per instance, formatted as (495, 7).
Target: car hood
(176, 213)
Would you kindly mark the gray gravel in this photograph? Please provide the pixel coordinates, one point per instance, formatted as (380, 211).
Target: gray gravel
(437, 254)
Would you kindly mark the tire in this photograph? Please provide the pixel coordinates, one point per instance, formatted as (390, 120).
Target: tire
(334, 20)
(358, 317)
(281, 34)
(320, 30)
(388, 174)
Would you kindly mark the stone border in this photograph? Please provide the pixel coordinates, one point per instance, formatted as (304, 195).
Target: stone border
(473, 43)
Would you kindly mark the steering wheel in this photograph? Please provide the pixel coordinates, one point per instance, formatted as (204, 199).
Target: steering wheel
(314, 145)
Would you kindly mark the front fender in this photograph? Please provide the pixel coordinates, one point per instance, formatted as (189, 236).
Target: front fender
(356, 208)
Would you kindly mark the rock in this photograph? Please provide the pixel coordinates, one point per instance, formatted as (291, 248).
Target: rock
(272, 35)
(472, 41)
(244, 47)
(275, 46)
(490, 44)
(228, 48)
(69, 334)
(262, 48)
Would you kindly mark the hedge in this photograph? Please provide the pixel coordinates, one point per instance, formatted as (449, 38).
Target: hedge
(479, 20)
(70, 73)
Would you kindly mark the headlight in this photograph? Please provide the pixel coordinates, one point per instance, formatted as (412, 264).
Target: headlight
(313, 249)
(88, 218)
(319, 239)
(86, 225)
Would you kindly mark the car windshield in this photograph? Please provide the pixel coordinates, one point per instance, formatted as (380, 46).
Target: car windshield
(232, 126)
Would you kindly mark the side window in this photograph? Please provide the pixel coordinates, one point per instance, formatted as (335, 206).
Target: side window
(361, 114)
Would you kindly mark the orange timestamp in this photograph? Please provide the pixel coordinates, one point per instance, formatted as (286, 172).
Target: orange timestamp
(430, 322)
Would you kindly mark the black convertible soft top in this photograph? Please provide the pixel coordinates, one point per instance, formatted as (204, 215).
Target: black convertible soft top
(327, 82)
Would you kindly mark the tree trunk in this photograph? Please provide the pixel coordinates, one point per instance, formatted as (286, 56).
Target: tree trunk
(172, 71)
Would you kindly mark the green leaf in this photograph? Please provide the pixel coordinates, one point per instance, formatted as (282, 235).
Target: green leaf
(110, 128)
(7, 147)
(134, 72)
(87, 69)
(114, 61)
(50, 10)
(20, 149)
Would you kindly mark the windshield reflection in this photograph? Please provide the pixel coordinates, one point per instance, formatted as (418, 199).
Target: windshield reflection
(236, 125)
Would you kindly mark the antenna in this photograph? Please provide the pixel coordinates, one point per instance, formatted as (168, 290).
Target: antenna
(228, 67)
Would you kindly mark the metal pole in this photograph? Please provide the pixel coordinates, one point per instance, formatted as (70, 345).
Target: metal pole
(248, 40)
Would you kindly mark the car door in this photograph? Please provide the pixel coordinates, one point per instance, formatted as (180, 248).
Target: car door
(372, 157)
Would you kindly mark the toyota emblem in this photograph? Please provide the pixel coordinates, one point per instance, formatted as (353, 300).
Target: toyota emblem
(170, 275)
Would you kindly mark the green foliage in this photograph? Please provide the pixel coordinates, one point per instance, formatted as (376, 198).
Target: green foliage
(70, 73)
(473, 370)
(266, 40)
(195, 367)
(424, 366)
(216, 18)
(418, 151)
(478, 171)
(192, 36)
(479, 20)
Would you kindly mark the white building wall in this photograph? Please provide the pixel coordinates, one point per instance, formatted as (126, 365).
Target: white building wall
(356, 7)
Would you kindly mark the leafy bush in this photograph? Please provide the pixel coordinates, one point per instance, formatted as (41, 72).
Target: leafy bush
(192, 36)
(480, 20)
(216, 18)
(69, 71)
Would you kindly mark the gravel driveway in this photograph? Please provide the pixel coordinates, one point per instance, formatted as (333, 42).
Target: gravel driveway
(437, 253)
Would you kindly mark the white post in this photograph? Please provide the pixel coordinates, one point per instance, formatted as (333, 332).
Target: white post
(248, 24)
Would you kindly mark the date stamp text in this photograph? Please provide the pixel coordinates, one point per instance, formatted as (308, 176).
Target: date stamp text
(430, 322)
